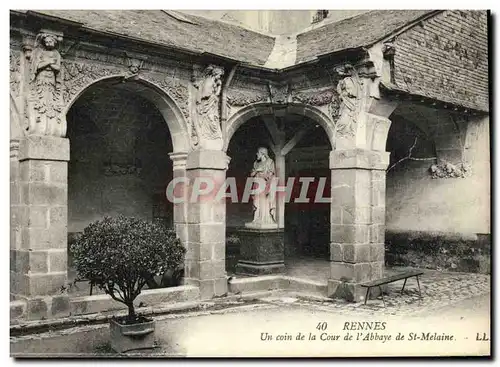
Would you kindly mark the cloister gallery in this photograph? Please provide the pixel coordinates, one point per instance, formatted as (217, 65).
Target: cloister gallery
(387, 112)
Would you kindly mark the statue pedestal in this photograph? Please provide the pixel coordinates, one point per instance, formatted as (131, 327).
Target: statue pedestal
(262, 250)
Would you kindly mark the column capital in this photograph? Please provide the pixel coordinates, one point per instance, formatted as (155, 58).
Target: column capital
(44, 147)
(179, 160)
(14, 148)
(359, 158)
(207, 159)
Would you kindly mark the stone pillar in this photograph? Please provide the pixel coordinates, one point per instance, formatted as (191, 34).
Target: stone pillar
(41, 258)
(179, 172)
(357, 220)
(204, 230)
(281, 196)
(178, 197)
(16, 211)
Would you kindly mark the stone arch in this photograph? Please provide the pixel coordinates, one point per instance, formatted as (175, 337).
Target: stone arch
(173, 115)
(259, 109)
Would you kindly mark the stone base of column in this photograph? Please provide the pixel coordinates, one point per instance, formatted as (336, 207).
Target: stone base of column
(210, 288)
(262, 251)
(346, 278)
(351, 292)
(45, 307)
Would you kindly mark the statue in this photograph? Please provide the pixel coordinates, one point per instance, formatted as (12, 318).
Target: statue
(207, 112)
(44, 104)
(263, 203)
(347, 89)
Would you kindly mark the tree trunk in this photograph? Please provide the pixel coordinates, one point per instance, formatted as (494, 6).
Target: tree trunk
(131, 311)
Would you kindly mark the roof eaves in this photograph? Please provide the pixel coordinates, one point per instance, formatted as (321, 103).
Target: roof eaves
(346, 52)
(140, 40)
(183, 50)
(67, 22)
(405, 27)
(390, 88)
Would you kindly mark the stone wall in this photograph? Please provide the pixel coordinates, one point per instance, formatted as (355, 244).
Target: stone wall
(440, 223)
(418, 202)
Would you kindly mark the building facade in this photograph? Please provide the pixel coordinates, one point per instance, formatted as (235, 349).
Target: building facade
(107, 107)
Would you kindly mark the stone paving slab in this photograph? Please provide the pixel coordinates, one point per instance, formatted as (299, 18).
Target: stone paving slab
(438, 290)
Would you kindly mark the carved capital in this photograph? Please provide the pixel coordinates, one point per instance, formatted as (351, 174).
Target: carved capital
(179, 160)
(14, 148)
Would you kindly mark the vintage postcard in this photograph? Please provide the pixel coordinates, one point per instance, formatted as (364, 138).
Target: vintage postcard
(265, 183)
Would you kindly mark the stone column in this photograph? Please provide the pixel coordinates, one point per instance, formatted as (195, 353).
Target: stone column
(16, 222)
(204, 231)
(281, 196)
(357, 220)
(178, 197)
(41, 259)
(179, 172)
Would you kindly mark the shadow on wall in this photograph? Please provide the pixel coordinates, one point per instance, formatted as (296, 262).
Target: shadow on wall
(439, 250)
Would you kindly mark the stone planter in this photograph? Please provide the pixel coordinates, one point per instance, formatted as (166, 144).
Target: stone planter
(134, 336)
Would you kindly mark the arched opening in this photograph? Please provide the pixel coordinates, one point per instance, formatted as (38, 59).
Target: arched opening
(120, 140)
(306, 147)
(436, 197)
(413, 151)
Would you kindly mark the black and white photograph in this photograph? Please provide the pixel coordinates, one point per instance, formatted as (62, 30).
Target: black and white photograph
(250, 183)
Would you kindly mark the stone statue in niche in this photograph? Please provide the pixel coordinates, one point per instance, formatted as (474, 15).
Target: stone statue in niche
(207, 109)
(44, 102)
(264, 204)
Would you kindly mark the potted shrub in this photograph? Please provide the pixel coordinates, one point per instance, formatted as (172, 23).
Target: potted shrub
(118, 255)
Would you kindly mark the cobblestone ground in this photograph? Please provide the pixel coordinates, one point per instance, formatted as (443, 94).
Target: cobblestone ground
(455, 293)
(438, 289)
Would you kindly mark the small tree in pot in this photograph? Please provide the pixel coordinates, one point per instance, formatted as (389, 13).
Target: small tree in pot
(118, 255)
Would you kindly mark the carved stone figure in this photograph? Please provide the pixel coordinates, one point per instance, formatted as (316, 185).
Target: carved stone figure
(279, 94)
(348, 90)
(44, 102)
(264, 205)
(207, 109)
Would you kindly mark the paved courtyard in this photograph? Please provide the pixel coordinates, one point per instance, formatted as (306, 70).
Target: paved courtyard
(459, 302)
